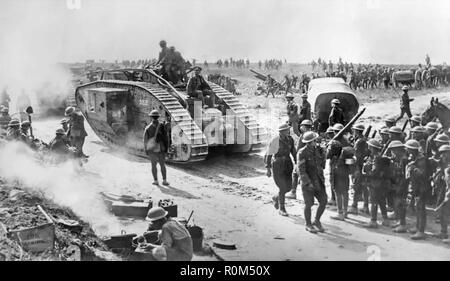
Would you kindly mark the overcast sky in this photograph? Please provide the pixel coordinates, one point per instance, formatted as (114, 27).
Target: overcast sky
(378, 31)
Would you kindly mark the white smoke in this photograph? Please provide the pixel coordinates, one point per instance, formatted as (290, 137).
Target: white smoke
(63, 184)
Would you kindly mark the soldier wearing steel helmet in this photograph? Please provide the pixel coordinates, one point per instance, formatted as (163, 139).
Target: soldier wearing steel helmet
(389, 122)
(156, 144)
(405, 104)
(416, 176)
(376, 169)
(442, 180)
(336, 113)
(432, 132)
(311, 163)
(59, 145)
(305, 108)
(305, 126)
(13, 131)
(76, 133)
(292, 113)
(278, 160)
(399, 160)
(359, 180)
(4, 118)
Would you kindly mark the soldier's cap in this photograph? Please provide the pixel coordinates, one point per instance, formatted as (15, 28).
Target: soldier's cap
(60, 131)
(306, 122)
(162, 42)
(395, 130)
(25, 124)
(154, 113)
(198, 68)
(405, 88)
(412, 144)
(432, 126)
(444, 148)
(416, 118)
(442, 138)
(358, 127)
(304, 96)
(336, 101)
(69, 111)
(330, 130)
(309, 137)
(390, 120)
(337, 127)
(64, 121)
(374, 143)
(284, 127)
(289, 96)
(418, 129)
(14, 123)
(395, 144)
(5, 110)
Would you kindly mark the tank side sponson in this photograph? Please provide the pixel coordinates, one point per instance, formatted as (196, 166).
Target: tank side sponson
(188, 142)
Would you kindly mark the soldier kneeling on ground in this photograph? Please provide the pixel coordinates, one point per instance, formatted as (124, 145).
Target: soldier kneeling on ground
(61, 149)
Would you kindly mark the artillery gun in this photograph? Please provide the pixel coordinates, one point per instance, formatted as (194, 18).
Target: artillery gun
(117, 106)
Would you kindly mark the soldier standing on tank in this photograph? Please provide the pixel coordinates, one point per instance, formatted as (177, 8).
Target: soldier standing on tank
(405, 104)
(162, 59)
(156, 133)
(311, 163)
(292, 113)
(336, 113)
(77, 134)
(359, 180)
(305, 108)
(417, 185)
(376, 169)
(278, 161)
(305, 126)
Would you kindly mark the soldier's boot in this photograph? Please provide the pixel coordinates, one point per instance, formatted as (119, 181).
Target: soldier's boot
(441, 235)
(400, 229)
(386, 223)
(282, 206)
(372, 224)
(291, 194)
(392, 216)
(155, 182)
(275, 202)
(345, 214)
(331, 202)
(165, 182)
(339, 217)
(353, 210)
(283, 213)
(318, 226)
(311, 228)
(395, 224)
(418, 236)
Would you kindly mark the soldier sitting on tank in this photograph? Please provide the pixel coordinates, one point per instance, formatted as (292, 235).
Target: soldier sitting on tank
(198, 88)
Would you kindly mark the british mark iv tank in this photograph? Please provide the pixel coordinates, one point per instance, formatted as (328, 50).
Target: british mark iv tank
(117, 106)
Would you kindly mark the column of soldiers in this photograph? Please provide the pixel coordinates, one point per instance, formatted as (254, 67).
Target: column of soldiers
(389, 173)
(240, 63)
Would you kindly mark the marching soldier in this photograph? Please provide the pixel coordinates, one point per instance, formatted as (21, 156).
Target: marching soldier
(376, 169)
(430, 145)
(278, 161)
(336, 114)
(442, 180)
(417, 185)
(305, 108)
(359, 180)
(77, 134)
(292, 113)
(332, 153)
(311, 162)
(389, 122)
(395, 134)
(305, 126)
(418, 133)
(400, 185)
(405, 104)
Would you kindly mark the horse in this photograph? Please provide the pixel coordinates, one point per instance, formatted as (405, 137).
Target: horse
(439, 111)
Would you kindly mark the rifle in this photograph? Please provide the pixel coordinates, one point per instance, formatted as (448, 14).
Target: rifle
(374, 134)
(367, 133)
(264, 78)
(405, 124)
(349, 124)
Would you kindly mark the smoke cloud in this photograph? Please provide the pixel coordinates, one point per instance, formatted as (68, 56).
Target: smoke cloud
(63, 184)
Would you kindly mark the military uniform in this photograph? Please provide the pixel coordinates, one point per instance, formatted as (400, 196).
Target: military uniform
(197, 87)
(400, 186)
(159, 155)
(305, 110)
(278, 159)
(417, 181)
(404, 106)
(359, 180)
(311, 163)
(292, 112)
(77, 134)
(336, 116)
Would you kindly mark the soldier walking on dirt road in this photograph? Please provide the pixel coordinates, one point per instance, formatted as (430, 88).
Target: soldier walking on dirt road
(156, 144)
(404, 104)
(311, 163)
(278, 161)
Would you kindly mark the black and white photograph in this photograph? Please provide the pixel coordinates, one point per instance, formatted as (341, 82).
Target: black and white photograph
(224, 131)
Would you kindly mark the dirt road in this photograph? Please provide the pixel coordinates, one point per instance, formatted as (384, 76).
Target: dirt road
(231, 199)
